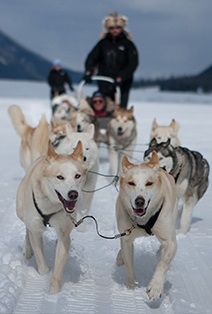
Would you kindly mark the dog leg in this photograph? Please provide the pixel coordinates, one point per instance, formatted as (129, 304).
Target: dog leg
(37, 246)
(62, 250)
(155, 287)
(127, 252)
(27, 250)
(119, 259)
(186, 216)
(113, 158)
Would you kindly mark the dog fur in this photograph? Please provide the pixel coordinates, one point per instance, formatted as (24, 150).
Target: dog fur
(26, 133)
(146, 189)
(121, 136)
(163, 132)
(52, 186)
(83, 117)
(190, 171)
(91, 156)
(63, 107)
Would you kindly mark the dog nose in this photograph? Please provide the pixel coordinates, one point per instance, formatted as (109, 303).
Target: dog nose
(139, 202)
(78, 127)
(73, 195)
(119, 129)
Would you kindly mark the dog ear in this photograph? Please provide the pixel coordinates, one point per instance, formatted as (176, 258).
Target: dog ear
(78, 152)
(153, 142)
(51, 154)
(90, 130)
(126, 164)
(154, 124)
(174, 125)
(131, 110)
(154, 161)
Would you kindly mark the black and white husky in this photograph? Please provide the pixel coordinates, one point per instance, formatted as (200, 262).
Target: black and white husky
(190, 171)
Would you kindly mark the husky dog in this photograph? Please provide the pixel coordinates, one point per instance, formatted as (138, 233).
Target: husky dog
(63, 107)
(91, 158)
(83, 117)
(121, 136)
(58, 131)
(163, 132)
(146, 205)
(26, 133)
(47, 195)
(190, 171)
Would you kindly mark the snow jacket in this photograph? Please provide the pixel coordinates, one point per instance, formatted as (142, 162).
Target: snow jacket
(113, 57)
(57, 80)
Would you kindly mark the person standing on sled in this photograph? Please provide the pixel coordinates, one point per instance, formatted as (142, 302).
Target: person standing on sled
(115, 56)
(57, 79)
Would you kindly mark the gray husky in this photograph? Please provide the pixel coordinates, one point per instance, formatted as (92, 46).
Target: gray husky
(190, 171)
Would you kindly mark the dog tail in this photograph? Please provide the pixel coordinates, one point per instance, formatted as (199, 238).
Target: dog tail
(18, 119)
(40, 139)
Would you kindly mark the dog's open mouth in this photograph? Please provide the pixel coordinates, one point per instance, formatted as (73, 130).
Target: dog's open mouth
(140, 208)
(120, 133)
(68, 205)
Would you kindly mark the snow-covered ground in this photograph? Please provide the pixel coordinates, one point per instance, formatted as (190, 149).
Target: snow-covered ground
(92, 283)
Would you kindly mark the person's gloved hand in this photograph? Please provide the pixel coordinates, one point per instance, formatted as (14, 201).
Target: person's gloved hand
(87, 77)
(118, 81)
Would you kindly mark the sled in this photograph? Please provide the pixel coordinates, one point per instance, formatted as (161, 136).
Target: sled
(102, 121)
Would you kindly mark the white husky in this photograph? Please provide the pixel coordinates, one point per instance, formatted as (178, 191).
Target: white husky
(91, 158)
(163, 132)
(48, 194)
(146, 205)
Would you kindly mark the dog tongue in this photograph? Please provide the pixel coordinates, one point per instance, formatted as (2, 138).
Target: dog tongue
(69, 206)
(120, 133)
(140, 211)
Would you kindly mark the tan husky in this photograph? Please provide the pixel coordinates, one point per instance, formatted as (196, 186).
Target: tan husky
(146, 205)
(47, 195)
(163, 132)
(121, 136)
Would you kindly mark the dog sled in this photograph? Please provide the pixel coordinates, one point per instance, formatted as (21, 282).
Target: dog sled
(102, 121)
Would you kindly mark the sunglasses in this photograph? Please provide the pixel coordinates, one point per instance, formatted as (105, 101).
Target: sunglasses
(114, 27)
(99, 101)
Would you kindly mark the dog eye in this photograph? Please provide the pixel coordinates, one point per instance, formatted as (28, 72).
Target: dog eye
(131, 183)
(60, 177)
(149, 183)
(77, 176)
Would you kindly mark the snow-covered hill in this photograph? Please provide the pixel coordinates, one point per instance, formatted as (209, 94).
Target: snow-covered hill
(92, 283)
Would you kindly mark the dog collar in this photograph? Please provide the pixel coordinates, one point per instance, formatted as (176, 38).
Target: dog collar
(150, 223)
(46, 218)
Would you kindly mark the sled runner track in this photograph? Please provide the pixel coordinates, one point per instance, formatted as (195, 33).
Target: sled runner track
(32, 298)
(194, 275)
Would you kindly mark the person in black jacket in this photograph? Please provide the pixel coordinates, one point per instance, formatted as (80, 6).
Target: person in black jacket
(57, 79)
(115, 56)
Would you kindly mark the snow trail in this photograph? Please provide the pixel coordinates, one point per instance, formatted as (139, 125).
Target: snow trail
(92, 283)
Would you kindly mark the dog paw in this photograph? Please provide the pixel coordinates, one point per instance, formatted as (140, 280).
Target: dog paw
(28, 252)
(119, 259)
(132, 284)
(54, 286)
(154, 291)
(43, 270)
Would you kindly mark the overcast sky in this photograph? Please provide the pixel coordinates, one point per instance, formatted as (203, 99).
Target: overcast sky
(173, 37)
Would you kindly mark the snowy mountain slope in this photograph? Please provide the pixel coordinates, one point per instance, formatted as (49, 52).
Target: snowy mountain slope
(92, 283)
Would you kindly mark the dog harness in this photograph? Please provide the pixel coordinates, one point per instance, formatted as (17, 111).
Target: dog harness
(150, 223)
(46, 218)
